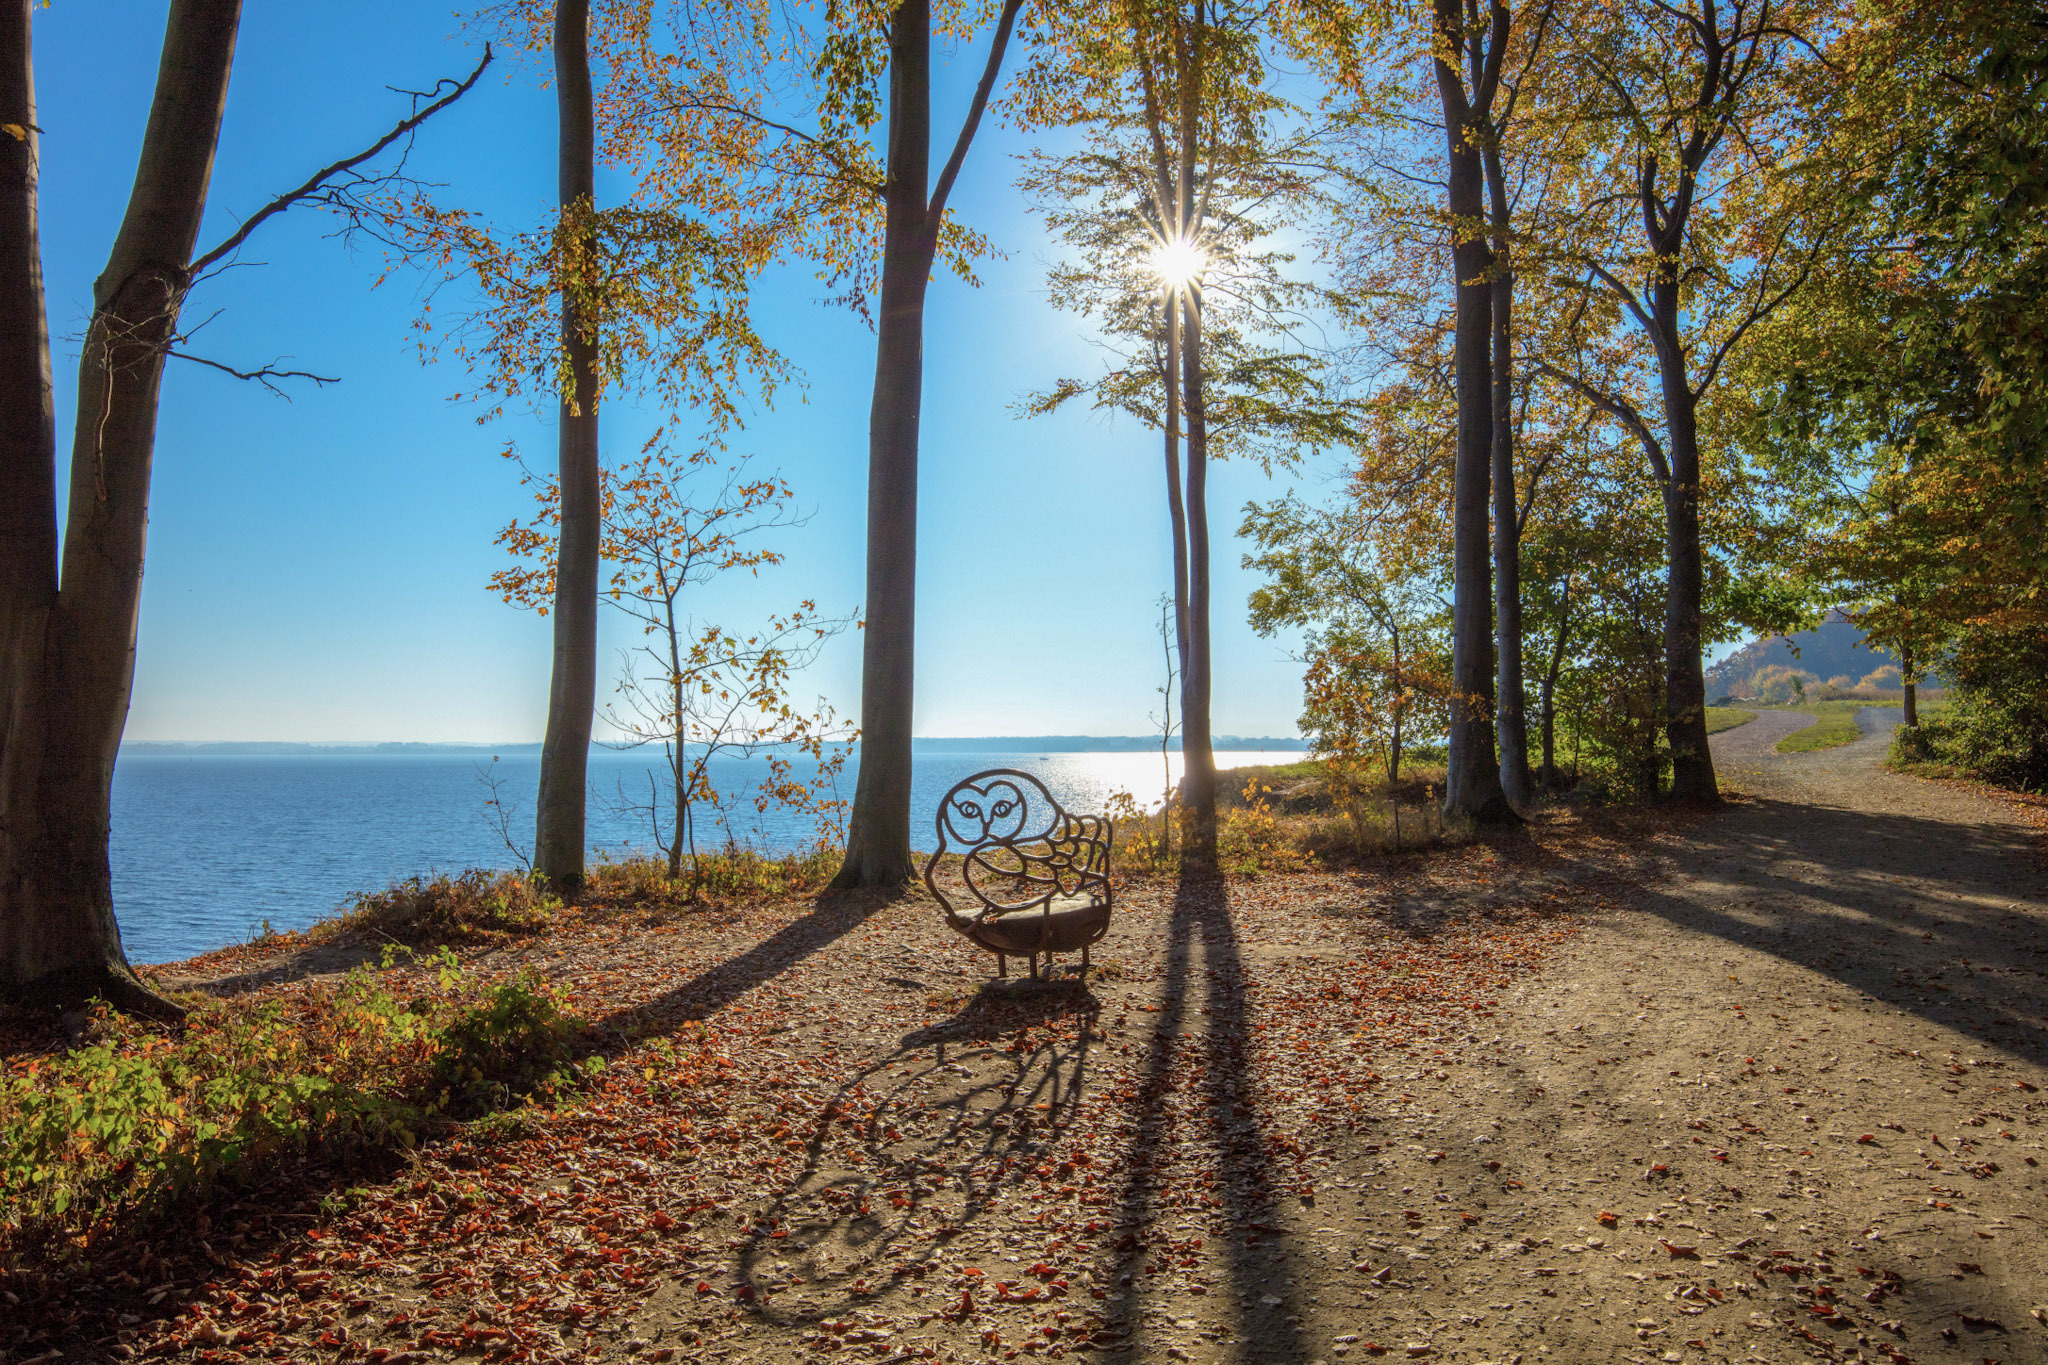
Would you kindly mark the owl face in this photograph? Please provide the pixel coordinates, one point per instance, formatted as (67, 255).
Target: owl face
(994, 810)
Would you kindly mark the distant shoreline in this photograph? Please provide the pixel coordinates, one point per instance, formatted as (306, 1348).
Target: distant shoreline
(975, 744)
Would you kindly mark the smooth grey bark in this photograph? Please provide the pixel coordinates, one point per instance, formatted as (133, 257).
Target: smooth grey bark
(1472, 786)
(913, 209)
(1909, 686)
(58, 937)
(1198, 760)
(1176, 506)
(561, 807)
(1510, 695)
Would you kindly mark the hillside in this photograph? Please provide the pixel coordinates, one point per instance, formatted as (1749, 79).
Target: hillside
(1836, 648)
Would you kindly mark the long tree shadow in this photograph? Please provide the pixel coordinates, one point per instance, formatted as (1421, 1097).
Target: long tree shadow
(1973, 952)
(833, 915)
(64, 1301)
(1215, 1060)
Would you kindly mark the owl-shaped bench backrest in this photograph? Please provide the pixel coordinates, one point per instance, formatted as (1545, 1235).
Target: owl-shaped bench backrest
(1017, 849)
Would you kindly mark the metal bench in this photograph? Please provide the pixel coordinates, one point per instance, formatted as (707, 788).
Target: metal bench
(1031, 879)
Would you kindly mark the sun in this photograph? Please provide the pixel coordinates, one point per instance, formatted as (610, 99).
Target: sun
(1179, 262)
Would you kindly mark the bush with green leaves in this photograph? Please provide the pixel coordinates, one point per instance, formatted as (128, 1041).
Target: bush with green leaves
(139, 1121)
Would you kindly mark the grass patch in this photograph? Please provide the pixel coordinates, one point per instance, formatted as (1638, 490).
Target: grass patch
(1288, 818)
(1721, 718)
(1836, 727)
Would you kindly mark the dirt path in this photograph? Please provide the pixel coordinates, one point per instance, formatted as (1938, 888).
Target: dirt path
(1760, 1086)
(1812, 1053)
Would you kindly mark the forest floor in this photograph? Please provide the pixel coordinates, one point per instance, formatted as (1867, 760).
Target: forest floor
(1765, 1084)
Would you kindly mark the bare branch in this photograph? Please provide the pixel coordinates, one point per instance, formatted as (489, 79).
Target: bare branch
(320, 178)
(266, 376)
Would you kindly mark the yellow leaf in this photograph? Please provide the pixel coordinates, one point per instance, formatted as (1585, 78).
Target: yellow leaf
(15, 131)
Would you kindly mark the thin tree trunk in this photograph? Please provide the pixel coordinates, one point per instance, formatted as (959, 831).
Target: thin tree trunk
(1197, 757)
(1472, 786)
(1198, 761)
(1510, 701)
(1909, 686)
(1685, 683)
(560, 811)
(878, 834)
(1549, 690)
(58, 937)
(1176, 507)
(1394, 752)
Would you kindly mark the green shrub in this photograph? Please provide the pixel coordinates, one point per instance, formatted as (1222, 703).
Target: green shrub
(139, 1121)
(1987, 736)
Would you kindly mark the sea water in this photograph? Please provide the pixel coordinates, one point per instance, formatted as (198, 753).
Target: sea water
(208, 847)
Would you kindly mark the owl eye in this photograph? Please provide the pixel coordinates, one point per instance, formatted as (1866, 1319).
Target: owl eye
(1002, 808)
(970, 810)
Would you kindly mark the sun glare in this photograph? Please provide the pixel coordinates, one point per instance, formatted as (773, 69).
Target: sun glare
(1178, 262)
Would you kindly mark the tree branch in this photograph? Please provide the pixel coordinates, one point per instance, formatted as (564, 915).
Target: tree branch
(1619, 408)
(320, 178)
(935, 207)
(264, 376)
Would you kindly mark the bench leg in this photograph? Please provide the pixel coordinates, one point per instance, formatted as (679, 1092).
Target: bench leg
(1034, 966)
(1084, 962)
(1002, 965)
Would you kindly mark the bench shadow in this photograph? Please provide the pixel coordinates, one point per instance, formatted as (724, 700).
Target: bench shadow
(849, 1224)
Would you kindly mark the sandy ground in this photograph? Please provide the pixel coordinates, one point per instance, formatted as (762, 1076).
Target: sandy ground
(1762, 1085)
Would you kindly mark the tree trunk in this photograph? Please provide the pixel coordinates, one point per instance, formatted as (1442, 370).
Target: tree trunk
(560, 810)
(1908, 685)
(1198, 760)
(1472, 787)
(58, 937)
(1549, 690)
(1176, 507)
(1685, 682)
(28, 452)
(1510, 700)
(878, 832)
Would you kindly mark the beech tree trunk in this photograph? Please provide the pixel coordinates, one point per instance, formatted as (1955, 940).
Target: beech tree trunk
(878, 831)
(1510, 698)
(878, 835)
(67, 699)
(1472, 786)
(1685, 682)
(1176, 511)
(1908, 683)
(1549, 690)
(561, 808)
(1198, 759)
(28, 477)
(1176, 506)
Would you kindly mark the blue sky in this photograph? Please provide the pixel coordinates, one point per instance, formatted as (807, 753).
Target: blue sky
(316, 568)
